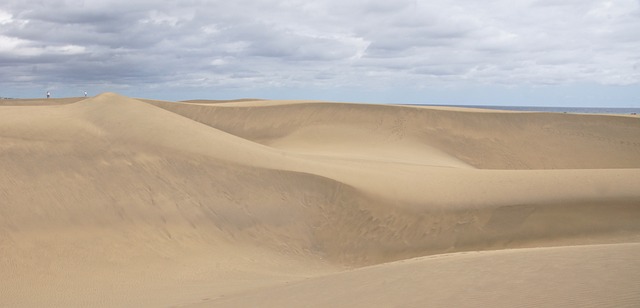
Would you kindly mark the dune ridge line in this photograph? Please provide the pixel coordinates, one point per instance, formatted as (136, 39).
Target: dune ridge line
(116, 201)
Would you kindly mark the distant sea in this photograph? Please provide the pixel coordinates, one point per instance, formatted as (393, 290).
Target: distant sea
(600, 110)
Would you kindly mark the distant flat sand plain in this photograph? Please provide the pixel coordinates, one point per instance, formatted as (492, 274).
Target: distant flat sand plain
(112, 201)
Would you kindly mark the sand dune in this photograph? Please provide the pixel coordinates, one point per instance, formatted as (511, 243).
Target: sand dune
(114, 201)
(537, 277)
(39, 102)
(486, 140)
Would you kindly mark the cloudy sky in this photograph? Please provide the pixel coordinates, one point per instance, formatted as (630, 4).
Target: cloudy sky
(508, 52)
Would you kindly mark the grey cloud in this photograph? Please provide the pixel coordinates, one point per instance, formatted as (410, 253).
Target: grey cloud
(326, 43)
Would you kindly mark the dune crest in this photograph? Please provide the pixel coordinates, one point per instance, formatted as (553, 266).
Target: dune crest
(116, 201)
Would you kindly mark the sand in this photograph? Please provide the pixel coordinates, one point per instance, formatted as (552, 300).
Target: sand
(112, 201)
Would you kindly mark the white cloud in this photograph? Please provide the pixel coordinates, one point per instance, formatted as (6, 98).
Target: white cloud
(66, 49)
(5, 17)
(321, 44)
(218, 62)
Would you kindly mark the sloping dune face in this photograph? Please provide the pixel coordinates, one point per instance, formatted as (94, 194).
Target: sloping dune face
(114, 201)
(485, 140)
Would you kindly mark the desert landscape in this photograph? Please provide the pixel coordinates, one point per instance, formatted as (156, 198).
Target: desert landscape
(112, 201)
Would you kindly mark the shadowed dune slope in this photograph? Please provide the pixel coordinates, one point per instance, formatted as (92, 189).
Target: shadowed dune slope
(114, 201)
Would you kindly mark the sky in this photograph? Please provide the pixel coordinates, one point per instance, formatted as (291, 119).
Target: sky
(462, 52)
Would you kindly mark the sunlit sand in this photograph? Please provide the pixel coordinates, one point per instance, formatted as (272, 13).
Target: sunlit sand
(120, 202)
